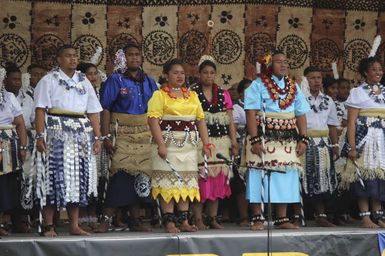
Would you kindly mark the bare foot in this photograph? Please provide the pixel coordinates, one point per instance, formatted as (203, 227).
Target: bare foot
(368, 223)
(77, 231)
(244, 223)
(3, 232)
(140, 228)
(171, 228)
(185, 227)
(286, 225)
(297, 222)
(103, 227)
(323, 222)
(215, 225)
(85, 227)
(257, 226)
(381, 224)
(200, 225)
(50, 232)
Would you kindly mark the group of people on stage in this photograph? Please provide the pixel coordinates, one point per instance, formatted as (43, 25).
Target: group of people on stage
(69, 141)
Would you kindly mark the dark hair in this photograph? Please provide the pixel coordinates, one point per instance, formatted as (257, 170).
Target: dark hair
(64, 47)
(276, 52)
(311, 69)
(328, 81)
(207, 63)
(34, 65)
(342, 80)
(169, 64)
(11, 68)
(242, 84)
(131, 45)
(83, 66)
(365, 64)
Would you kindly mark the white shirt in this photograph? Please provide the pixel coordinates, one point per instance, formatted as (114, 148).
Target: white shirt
(26, 103)
(321, 119)
(9, 109)
(50, 94)
(360, 99)
(239, 115)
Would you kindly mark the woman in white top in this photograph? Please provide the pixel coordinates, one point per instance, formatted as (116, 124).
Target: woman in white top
(365, 169)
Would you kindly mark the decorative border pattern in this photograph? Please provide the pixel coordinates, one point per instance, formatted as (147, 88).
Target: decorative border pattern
(359, 5)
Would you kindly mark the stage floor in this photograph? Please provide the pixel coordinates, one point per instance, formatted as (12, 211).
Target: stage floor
(232, 241)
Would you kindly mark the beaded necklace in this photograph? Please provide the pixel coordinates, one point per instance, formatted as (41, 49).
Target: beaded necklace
(372, 92)
(274, 90)
(185, 92)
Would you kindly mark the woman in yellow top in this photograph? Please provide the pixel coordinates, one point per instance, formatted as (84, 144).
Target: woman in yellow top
(176, 120)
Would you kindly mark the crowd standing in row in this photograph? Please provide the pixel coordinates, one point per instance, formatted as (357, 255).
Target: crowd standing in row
(106, 151)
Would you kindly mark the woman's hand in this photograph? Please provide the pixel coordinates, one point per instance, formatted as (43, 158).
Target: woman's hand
(97, 147)
(258, 149)
(301, 148)
(162, 151)
(352, 154)
(235, 149)
(40, 145)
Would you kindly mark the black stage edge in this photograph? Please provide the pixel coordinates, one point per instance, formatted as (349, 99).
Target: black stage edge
(228, 242)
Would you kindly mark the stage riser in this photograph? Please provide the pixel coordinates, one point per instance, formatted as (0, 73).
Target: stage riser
(349, 244)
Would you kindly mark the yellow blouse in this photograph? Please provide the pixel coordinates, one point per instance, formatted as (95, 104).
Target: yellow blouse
(161, 105)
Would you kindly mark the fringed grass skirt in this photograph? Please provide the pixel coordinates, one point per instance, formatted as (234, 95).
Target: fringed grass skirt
(320, 175)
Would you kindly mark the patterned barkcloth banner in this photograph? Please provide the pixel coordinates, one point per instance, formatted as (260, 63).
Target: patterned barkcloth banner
(293, 38)
(309, 31)
(327, 39)
(261, 32)
(51, 28)
(160, 31)
(89, 31)
(15, 38)
(124, 26)
(193, 37)
(228, 42)
(359, 34)
(381, 31)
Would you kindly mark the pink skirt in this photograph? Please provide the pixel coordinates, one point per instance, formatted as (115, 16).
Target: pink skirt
(214, 188)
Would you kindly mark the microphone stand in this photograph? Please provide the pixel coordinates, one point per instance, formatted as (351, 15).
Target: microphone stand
(268, 172)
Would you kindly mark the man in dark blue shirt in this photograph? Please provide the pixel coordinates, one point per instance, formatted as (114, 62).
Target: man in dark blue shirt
(124, 100)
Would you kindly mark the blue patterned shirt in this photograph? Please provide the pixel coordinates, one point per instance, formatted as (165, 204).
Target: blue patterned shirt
(124, 95)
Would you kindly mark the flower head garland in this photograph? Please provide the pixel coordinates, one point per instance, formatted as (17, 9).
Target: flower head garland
(266, 64)
(185, 92)
(120, 62)
(78, 87)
